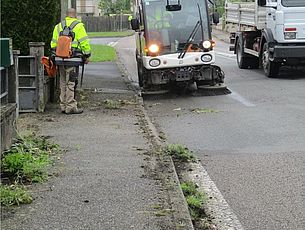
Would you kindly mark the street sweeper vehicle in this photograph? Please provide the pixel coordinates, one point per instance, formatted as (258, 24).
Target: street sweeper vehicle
(174, 45)
(267, 33)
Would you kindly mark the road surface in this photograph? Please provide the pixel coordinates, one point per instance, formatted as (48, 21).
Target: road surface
(252, 143)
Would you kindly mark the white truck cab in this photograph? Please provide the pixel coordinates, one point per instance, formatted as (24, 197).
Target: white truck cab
(269, 33)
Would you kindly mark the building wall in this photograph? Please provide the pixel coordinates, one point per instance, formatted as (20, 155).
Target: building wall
(64, 6)
(87, 7)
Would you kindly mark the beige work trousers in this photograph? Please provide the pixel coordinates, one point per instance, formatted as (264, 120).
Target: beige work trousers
(67, 90)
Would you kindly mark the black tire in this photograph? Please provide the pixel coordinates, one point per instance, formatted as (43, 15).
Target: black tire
(271, 69)
(244, 61)
(140, 73)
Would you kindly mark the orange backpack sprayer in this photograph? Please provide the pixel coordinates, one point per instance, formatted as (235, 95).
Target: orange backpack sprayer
(64, 42)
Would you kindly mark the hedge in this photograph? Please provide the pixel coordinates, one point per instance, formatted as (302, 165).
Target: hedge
(29, 21)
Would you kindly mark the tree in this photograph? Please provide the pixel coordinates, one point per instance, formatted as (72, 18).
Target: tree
(114, 6)
(29, 21)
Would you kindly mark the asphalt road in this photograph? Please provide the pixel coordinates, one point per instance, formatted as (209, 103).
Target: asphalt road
(252, 143)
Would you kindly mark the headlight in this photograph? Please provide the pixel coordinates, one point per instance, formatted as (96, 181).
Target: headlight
(207, 44)
(154, 62)
(153, 48)
(290, 35)
(206, 58)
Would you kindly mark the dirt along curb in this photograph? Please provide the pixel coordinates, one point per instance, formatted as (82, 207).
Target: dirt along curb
(223, 218)
(221, 35)
(180, 212)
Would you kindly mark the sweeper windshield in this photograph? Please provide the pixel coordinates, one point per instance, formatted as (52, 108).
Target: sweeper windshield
(170, 30)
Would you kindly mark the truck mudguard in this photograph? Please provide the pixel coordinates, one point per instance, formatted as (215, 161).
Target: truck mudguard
(267, 36)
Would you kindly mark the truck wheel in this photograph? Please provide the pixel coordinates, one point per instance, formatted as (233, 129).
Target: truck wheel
(244, 61)
(140, 72)
(271, 69)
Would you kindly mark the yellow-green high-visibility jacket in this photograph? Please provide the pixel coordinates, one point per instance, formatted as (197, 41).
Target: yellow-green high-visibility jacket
(81, 40)
(159, 20)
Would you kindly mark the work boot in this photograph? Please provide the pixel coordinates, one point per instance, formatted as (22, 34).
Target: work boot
(75, 111)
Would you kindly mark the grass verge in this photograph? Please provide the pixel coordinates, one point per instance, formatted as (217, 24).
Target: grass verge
(111, 34)
(102, 53)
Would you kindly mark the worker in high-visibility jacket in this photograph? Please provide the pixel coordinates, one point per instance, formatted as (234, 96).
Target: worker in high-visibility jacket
(68, 75)
(159, 19)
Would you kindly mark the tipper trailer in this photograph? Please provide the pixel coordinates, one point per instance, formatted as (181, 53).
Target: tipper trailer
(267, 33)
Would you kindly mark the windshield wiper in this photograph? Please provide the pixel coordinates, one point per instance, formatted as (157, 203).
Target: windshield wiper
(189, 40)
(192, 35)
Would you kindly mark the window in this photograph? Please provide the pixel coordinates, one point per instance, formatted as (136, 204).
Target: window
(293, 3)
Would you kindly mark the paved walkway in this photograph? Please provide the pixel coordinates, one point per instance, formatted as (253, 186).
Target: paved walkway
(105, 179)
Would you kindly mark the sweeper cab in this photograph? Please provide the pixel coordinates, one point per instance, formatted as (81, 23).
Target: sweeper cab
(174, 45)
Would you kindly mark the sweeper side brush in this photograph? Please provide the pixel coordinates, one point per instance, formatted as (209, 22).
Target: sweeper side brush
(216, 89)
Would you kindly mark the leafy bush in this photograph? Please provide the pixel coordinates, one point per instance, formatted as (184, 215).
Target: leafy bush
(29, 21)
(14, 194)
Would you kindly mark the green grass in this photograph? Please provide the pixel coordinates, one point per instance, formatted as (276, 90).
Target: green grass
(204, 110)
(194, 198)
(110, 34)
(26, 166)
(180, 152)
(111, 104)
(102, 53)
(28, 159)
(14, 195)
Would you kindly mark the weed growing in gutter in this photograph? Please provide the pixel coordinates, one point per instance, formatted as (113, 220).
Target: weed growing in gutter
(179, 152)
(194, 199)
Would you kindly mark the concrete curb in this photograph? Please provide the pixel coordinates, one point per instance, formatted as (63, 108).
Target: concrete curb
(181, 213)
(217, 207)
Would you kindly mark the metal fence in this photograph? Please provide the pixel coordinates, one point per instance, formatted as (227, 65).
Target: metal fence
(28, 83)
(106, 23)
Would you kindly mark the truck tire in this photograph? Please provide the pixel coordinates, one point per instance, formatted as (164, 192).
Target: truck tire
(271, 68)
(244, 61)
(140, 72)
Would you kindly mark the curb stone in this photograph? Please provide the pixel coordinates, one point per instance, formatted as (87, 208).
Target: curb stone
(179, 205)
(217, 207)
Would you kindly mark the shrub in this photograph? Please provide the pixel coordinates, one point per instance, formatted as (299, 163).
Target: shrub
(29, 21)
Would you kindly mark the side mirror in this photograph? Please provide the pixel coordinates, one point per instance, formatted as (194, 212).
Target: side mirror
(135, 24)
(173, 7)
(261, 2)
(215, 17)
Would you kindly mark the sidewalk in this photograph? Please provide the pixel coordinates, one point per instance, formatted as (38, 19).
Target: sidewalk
(106, 179)
(221, 35)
